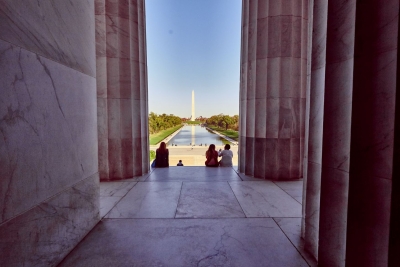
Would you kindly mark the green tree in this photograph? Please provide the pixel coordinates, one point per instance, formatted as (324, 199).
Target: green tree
(227, 120)
(161, 122)
(224, 121)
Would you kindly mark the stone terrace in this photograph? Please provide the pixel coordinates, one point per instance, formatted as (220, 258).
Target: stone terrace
(195, 216)
(193, 156)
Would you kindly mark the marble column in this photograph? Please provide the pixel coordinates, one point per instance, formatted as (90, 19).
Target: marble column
(48, 125)
(250, 85)
(140, 92)
(307, 114)
(121, 88)
(243, 86)
(372, 132)
(394, 234)
(315, 127)
(336, 132)
(273, 88)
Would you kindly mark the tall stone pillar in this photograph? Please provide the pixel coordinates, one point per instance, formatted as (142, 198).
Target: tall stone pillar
(372, 132)
(336, 132)
(307, 113)
(273, 87)
(394, 234)
(121, 88)
(315, 127)
(49, 182)
(243, 86)
(140, 109)
(250, 85)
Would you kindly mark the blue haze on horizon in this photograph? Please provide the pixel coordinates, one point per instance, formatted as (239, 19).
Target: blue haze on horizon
(193, 45)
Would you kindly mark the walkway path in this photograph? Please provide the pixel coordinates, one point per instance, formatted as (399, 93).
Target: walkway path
(195, 216)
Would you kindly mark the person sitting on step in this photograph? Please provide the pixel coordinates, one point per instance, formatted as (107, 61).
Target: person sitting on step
(212, 157)
(162, 156)
(226, 155)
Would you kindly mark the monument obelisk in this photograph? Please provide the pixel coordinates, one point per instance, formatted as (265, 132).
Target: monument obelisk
(193, 117)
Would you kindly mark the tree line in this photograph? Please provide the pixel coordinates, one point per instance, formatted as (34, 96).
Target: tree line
(224, 121)
(161, 122)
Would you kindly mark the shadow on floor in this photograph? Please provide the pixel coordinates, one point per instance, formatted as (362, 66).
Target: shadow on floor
(195, 216)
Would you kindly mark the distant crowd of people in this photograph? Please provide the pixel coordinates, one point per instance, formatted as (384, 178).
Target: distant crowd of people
(162, 157)
(190, 144)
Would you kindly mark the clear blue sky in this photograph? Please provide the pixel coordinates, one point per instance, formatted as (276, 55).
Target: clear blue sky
(193, 45)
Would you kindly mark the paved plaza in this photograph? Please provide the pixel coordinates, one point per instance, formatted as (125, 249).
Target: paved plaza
(195, 216)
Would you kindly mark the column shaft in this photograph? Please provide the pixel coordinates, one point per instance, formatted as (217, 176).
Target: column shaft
(307, 113)
(243, 86)
(143, 139)
(145, 116)
(314, 156)
(250, 86)
(101, 79)
(121, 88)
(336, 132)
(139, 89)
(273, 84)
(372, 135)
(260, 96)
(394, 239)
(49, 183)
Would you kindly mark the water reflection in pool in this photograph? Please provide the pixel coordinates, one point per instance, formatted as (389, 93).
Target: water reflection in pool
(196, 135)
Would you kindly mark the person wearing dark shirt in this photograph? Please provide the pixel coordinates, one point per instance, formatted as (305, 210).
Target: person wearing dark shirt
(179, 163)
(212, 157)
(162, 156)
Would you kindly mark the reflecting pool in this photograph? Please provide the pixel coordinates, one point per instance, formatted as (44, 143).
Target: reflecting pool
(197, 135)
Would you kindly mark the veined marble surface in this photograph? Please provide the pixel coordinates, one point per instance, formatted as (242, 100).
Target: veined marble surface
(115, 189)
(186, 242)
(265, 199)
(336, 137)
(199, 192)
(49, 186)
(48, 128)
(292, 229)
(314, 123)
(193, 174)
(112, 192)
(208, 200)
(62, 31)
(293, 188)
(121, 89)
(166, 221)
(45, 234)
(273, 88)
(149, 200)
(373, 188)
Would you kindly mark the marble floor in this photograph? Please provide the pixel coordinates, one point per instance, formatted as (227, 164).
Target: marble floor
(195, 216)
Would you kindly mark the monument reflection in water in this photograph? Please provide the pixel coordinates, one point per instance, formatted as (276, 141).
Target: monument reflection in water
(193, 134)
(197, 135)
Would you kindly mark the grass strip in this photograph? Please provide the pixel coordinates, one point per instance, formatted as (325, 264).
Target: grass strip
(158, 137)
(229, 133)
(152, 155)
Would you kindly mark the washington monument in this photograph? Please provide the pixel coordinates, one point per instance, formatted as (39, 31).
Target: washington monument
(193, 117)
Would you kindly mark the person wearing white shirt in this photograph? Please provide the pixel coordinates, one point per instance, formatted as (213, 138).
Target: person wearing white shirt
(226, 155)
